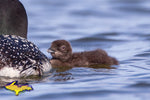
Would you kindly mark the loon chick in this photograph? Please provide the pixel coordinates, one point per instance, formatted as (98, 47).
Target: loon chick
(18, 56)
(62, 55)
(21, 58)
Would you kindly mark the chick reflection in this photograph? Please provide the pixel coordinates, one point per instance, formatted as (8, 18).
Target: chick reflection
(62, 74)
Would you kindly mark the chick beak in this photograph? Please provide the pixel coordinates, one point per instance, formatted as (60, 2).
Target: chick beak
(50, 51)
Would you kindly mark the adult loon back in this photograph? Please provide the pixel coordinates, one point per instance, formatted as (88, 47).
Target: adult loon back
(18, 56)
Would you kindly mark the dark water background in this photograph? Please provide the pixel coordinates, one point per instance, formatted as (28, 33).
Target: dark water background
(121, 27)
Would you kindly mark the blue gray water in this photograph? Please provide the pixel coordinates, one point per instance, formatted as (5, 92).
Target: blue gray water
(121, 27)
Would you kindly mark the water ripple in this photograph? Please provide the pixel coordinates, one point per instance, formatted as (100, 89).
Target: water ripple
(121, 27)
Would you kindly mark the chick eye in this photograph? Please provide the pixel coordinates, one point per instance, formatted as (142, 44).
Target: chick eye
(63, 47)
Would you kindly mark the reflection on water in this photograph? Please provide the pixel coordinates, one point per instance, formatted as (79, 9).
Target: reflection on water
(121, 27)
(29, 80)
(58, 74)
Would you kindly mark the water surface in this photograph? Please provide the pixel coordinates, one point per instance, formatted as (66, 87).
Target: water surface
(121, 27)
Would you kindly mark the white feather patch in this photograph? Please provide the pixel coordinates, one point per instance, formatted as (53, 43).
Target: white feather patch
(9, 72)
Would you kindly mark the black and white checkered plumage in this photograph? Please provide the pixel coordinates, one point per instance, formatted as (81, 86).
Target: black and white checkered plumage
(21, 58)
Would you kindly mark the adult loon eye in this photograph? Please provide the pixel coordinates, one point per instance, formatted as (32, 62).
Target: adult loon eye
(35, 68)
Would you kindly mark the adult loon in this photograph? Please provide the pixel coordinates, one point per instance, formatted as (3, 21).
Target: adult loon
(18, 56)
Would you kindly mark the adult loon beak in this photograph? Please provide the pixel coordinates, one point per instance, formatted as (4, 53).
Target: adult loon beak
(50, 51)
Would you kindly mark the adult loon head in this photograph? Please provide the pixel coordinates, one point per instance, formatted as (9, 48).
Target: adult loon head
(18, 56)
(13, 18)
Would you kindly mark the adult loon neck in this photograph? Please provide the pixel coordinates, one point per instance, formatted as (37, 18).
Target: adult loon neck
(13, 18)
